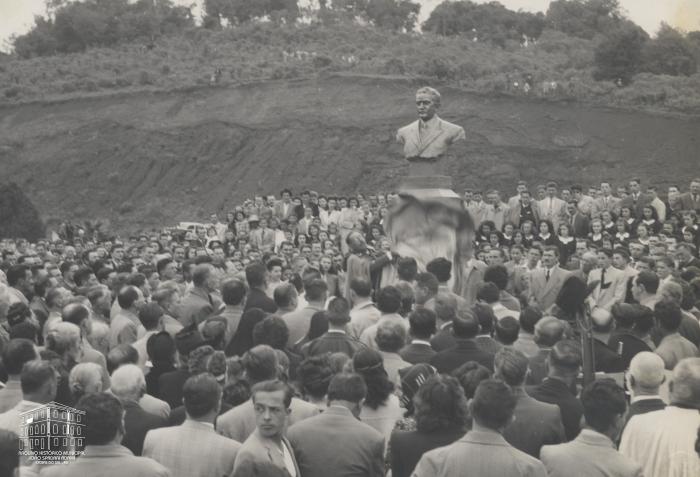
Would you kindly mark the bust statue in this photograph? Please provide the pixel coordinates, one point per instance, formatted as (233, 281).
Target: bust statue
(428, 138)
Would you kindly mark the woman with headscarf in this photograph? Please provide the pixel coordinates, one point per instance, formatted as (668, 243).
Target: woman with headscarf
(242, 340)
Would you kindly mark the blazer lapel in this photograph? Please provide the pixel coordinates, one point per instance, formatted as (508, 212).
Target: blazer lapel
(426, 141)
(415, 135)
(553, 279)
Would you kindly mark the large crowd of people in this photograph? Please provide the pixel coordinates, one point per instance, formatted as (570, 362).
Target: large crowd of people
(272, 342)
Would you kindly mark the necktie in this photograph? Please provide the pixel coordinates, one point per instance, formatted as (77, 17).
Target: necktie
(602, 278)
(546, 275)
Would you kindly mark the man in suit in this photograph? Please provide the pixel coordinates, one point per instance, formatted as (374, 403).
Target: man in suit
(267, 446)
(129, 385)
(336, 339)
(123, 327)
(422, 325)
(564, 363)
(685, 254)
(635, 200)
(170, 383)
(104, 455)
(465, 327)
(552, 208)
(427, 139)
(200, 303)
(256, 276)
(445, 311)
(323, 451)
(584, 203)
(606, 201)
(468, 277)
(644, 378)
(611, 283)
(536, 423)
(691, 199)
(364, 313)
(546, 282)
(523, 209)
(182, 449)
(283, 208)
(593, 451)
(260, 364)
(483, 451)
(578, 223)
(298, 321)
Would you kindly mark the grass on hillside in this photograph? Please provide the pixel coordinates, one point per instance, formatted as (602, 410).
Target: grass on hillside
(556, 67)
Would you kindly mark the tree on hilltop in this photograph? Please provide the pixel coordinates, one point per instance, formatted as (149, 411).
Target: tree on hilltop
(670, 53)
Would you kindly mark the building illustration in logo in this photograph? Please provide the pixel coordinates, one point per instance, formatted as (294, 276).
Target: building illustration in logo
(52, 433)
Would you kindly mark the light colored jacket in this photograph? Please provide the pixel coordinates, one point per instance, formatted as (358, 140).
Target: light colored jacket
(440, 136)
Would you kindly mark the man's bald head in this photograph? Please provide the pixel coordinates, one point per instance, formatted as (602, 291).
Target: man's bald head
(685, 383)
(548, 331)
(646, 372)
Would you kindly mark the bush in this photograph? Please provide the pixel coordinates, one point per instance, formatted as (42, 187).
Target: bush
(18, 216)
(12, 91)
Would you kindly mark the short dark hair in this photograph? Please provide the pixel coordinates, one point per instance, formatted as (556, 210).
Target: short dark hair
(361, 286)
(150, 315)
(406, 268)
(388, 299)
(272, 263)
(162, 263)
(441, 268)
(127, 296)
(465, 325)
(422, 322)
(201, 394)
(565, 356)
(121, 354)
(507, 330)
(255, 275)
(338, 311)
(233, 291)
(603, 400)
(314, 375)
(485, 316)
(17, 352)
(469, 375)
(440, 404)
(498, 275)
(75, 313)
(511, 366)
(9, 452)
(260, 363)
(16, 273)
(347, 387)
(271, 386)
(429, 281)
(668, 314)
(529, 318)
(315, 289)
(649, 280)
(284, 295)
(35, 374)
(493, 404)
(103, 417)
(271, 331)
(488, 292)
(81, 275)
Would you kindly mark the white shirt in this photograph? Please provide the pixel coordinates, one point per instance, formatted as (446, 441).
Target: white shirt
(663, 442)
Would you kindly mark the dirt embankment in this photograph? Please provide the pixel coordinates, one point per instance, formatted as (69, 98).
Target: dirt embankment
(152, 159)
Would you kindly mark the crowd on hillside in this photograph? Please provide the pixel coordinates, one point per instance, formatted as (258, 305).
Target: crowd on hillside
(270, 343)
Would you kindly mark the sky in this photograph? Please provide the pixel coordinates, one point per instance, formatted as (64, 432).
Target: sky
(17, 16)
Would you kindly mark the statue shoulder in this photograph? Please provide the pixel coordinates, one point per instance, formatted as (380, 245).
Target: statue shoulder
(455, 130)
(407, 128)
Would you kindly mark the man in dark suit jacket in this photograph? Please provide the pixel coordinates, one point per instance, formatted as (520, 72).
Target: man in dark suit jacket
(636, 200)
(128, 385)
(321, 450)
(564, 366)
(465, 327)
(421, 328)
(336, 339)
(256, 276)
(548, 331)
(170, 384)
(691, 200)
(578, 222)
(199, 303)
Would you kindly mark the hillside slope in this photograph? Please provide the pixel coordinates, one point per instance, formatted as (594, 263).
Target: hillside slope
(157, 158)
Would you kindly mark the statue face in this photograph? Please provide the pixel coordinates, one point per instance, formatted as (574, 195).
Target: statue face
(426, 106)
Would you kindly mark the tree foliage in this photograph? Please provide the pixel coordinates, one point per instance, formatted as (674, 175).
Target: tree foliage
(584, 18)
(239, 11)
(18, 216)
(670, 53)
(489, 22)
(75, 26)
(619, 55)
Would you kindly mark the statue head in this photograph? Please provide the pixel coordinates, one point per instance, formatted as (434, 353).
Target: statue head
(427, 102)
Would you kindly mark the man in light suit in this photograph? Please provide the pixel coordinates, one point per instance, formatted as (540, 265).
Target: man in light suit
(427, 139)
(322, 450)
(536, 423)
(579, 224)
(284, 208)
(635, 200)
(524, 209)
(194, 449)
(593, 451)
(552, 208)
(691, 200)
(104, 455)
(267, 447)
(606, 202)
(483, 451)
(612, 283)
(546, 282)
(199, 303)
